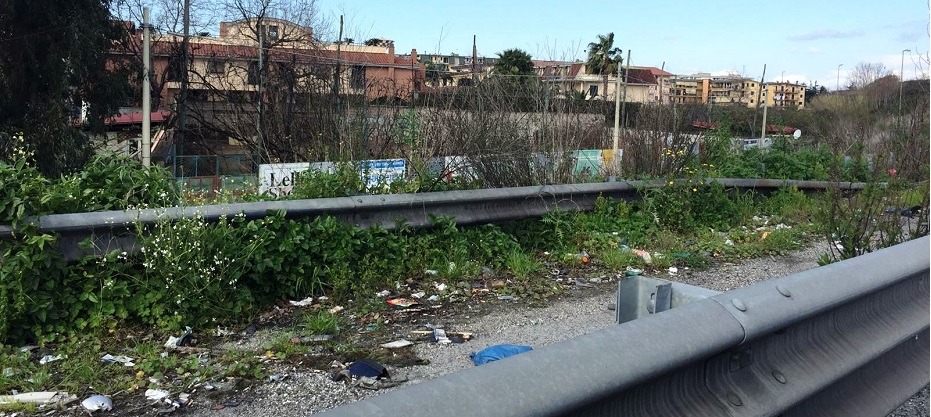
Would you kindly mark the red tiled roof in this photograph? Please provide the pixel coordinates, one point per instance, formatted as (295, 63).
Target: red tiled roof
(575, 69)
(660, 73)
(543, 63)
(304, 55)
(136, 118)
(786, 130)
(640, 76)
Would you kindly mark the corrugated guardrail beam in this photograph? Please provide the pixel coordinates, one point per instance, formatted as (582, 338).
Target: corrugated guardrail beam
(849, 338)
(112, 229)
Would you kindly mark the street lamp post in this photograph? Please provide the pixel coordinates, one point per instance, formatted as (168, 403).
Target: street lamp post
(902, 78)
(837, 84)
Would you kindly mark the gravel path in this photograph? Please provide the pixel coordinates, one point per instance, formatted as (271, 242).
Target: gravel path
(579, 311)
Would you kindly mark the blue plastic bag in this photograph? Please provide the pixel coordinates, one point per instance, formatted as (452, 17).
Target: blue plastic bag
(493, 353)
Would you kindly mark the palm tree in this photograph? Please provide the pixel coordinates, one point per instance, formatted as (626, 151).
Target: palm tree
(603, 58)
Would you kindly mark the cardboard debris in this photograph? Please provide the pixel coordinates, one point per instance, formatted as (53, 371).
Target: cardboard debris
(397, 344)
(464, 335)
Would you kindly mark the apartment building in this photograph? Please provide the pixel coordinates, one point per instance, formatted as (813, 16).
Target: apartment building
(455, 69)
(703, 88)
(642, 84)
(784, 94)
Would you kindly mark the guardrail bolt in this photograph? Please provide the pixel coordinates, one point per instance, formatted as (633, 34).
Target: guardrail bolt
(783, 290)
(739, 304)
(779, 377)
(734, 399)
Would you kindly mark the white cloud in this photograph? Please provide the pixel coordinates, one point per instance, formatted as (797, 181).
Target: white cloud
(826, 34)
(813, 49)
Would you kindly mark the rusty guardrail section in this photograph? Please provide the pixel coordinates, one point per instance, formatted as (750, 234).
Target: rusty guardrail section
(115, 229)
(850, 338)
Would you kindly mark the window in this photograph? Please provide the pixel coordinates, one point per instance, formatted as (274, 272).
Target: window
(253, 78)
(216, 66)
(269, 32)
(173, 73)
(357, 77)
(593, 91)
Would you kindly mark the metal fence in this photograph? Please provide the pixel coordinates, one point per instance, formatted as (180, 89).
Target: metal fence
(113, 229)
(846, 339)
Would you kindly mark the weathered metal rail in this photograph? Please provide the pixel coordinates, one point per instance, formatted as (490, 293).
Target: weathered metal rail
(114, 229)
(850, 338)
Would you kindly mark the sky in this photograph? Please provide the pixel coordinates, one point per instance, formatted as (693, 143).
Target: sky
(798, 41)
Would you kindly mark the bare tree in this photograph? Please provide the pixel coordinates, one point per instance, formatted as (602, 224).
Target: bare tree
(865, 73)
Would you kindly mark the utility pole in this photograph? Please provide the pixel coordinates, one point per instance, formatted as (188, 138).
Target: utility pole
(837, 85)
(185, 64)
(258, 117)
(474, 61)
(617, 118)
(337, 109)
(146, 92)
(624, 99)
(759, 95)
(902, 78)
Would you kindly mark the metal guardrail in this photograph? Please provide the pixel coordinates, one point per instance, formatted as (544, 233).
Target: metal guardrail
(850, 338)
(113, 229)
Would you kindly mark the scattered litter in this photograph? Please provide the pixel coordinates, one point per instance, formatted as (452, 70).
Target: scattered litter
(612, 306)
(367, 367)
(312, 339)
(277, 377)
(155, 394)
(303, 303)
(97, 403)
(583, 284)
(322, 298)
(595, 280)
(402, 302)
(49, 359)
(418, 294)
(632, 272)
(223, 332)
(335, 310)
(673, 270)
(371, 327)
(377, 384)
(433, 297)
(729, 242)
(39, 397)
(838, 245)
(911, 211)
(397, 344)
(498, 283)
(126, 361)
(455, 337)
(765, 234)
(583, 256)
(430, 272)
(506, 297)
(182, 340)
(383, 294)
(439, 286)
(439, 336)
(647, 258)
(497, 352)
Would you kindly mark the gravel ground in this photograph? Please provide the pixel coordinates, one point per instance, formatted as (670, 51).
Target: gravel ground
(579, 311)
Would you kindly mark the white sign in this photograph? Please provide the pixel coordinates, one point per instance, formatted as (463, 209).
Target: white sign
(278, 179)
(381, 172)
